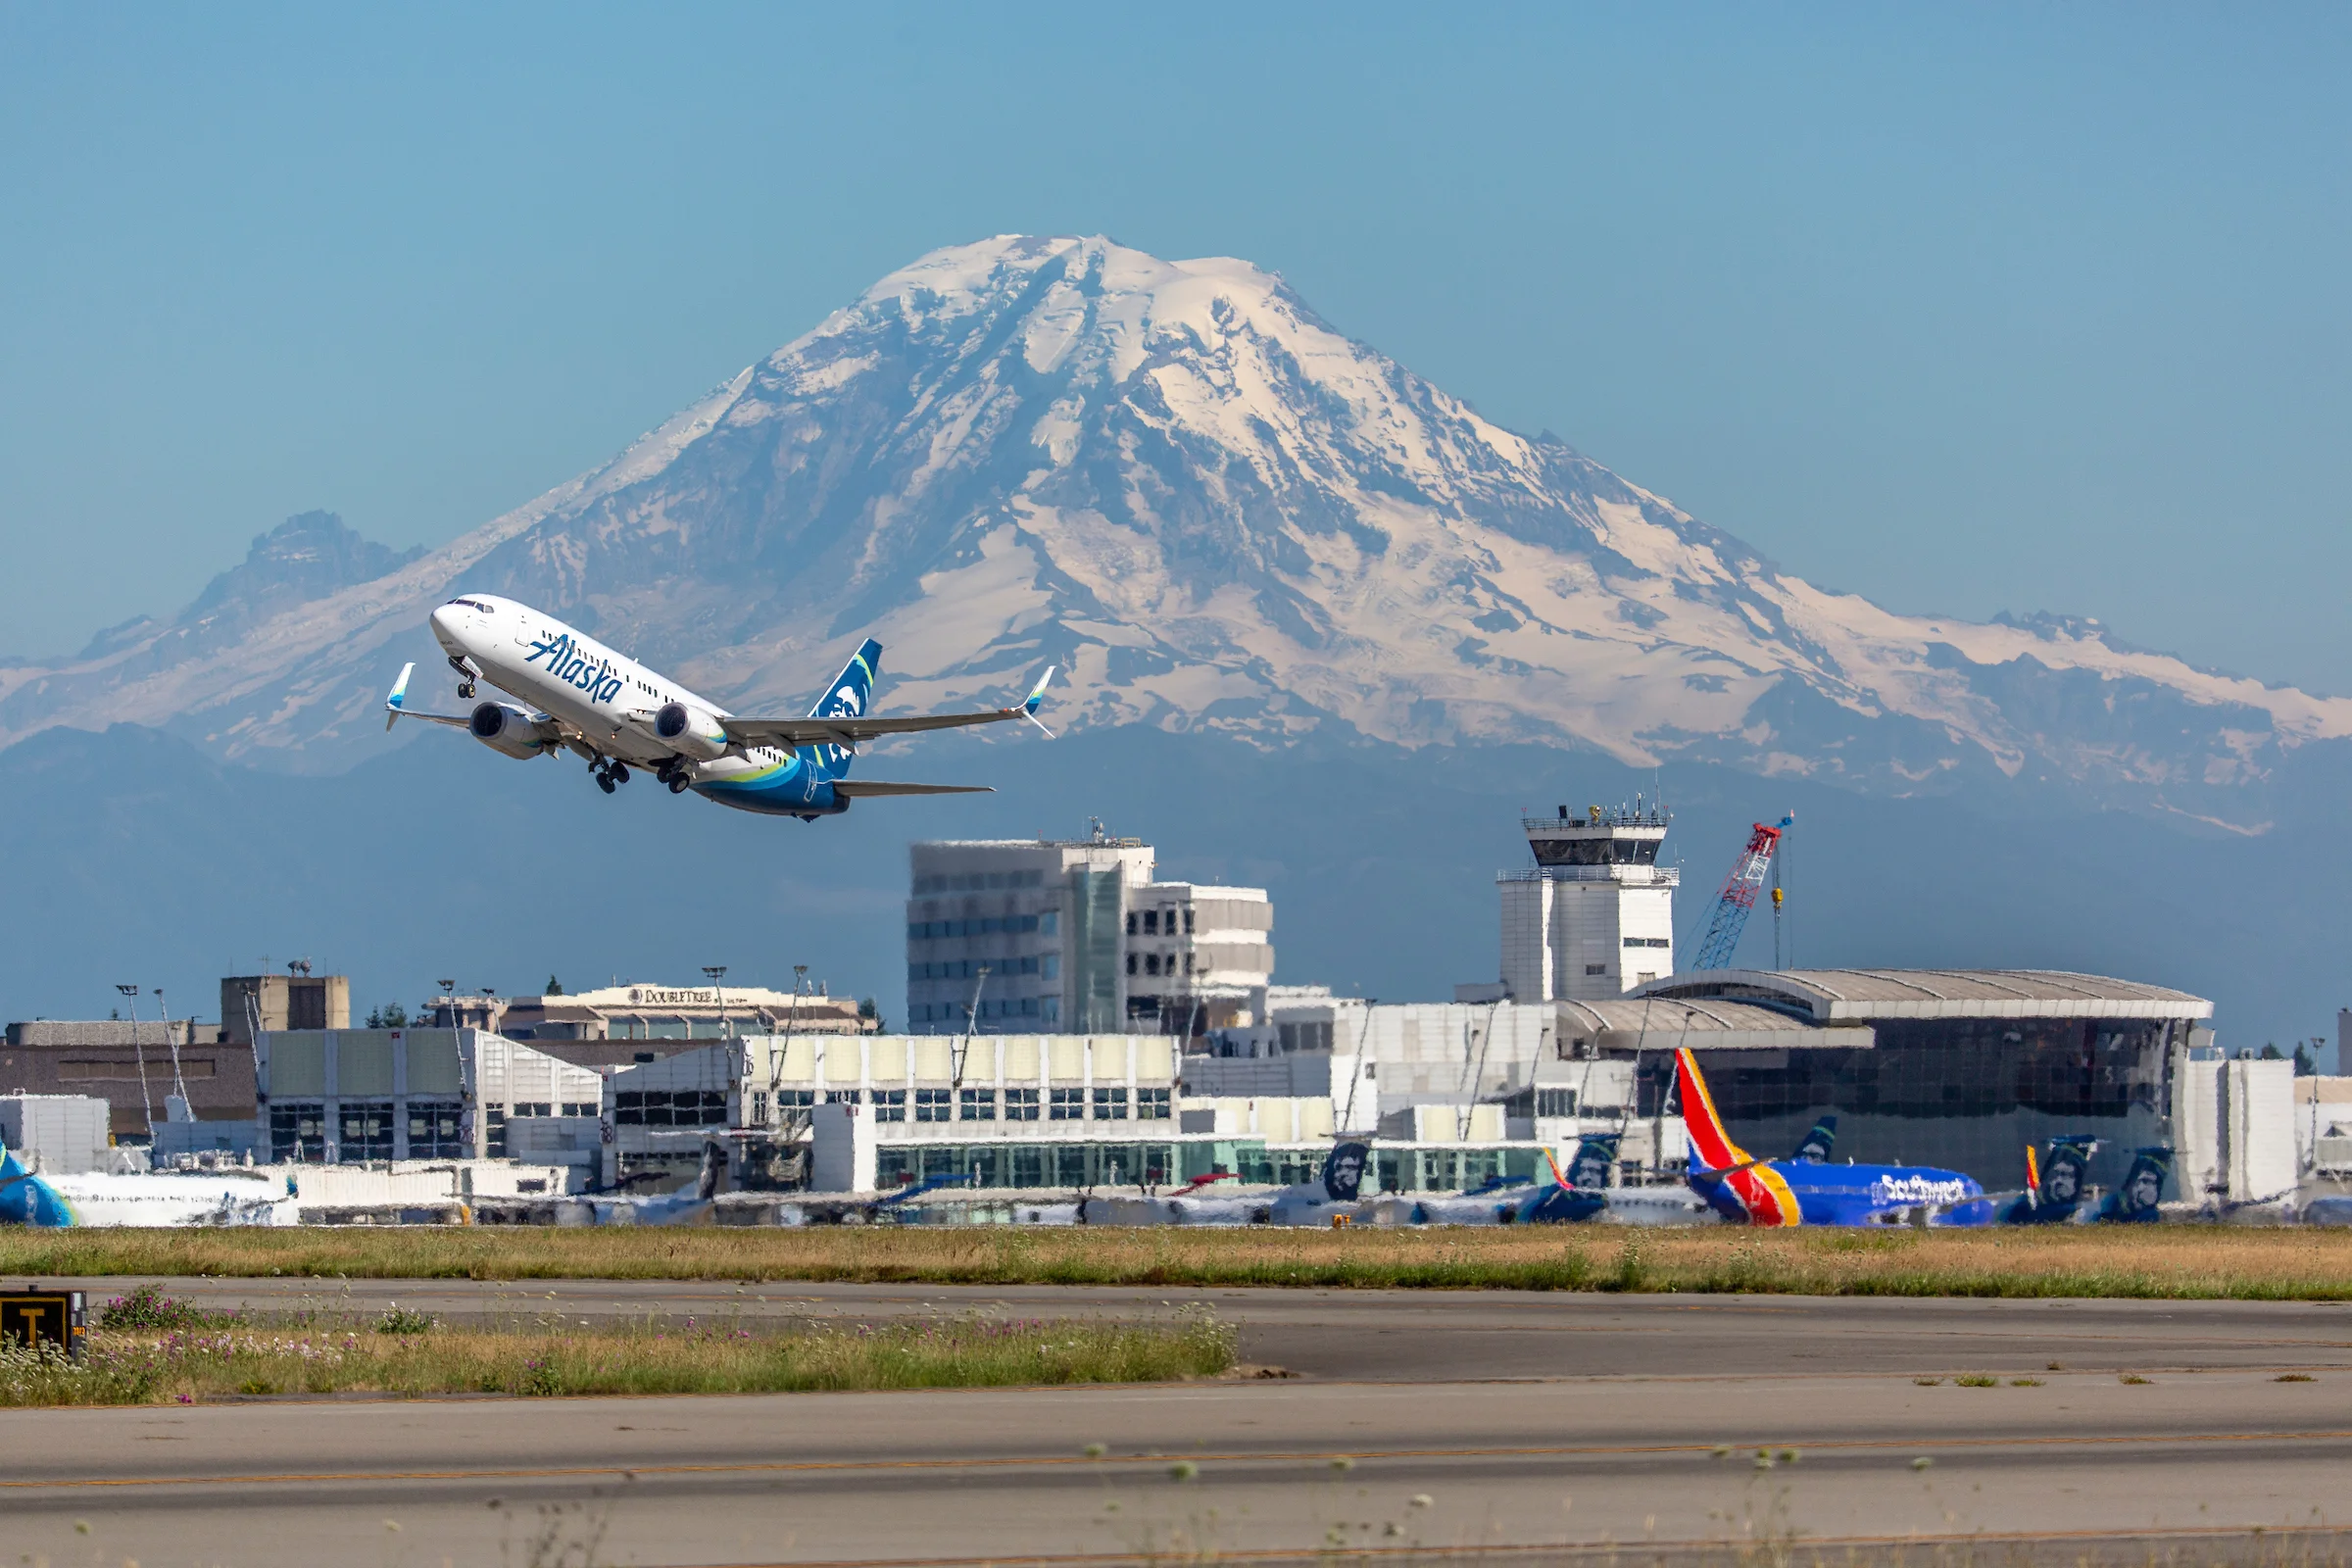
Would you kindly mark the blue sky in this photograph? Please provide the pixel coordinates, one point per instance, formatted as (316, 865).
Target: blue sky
(1967, 308)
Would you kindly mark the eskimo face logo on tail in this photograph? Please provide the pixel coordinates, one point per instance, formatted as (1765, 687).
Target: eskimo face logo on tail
(568, 665)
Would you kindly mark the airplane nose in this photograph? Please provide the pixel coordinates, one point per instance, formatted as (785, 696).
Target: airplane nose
(446, 628)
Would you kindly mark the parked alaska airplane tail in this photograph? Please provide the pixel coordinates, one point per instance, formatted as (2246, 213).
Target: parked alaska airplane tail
(2134, 1203)
(2056, 1183)
(1343, 1171)
(1814, 1148)
(25, 1198)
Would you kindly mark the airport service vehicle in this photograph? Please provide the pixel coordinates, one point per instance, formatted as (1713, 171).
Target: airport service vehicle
(573, 694)
(198, 1197)
(1806, 1189)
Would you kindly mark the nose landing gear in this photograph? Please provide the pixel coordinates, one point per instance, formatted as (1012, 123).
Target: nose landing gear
(466, 676)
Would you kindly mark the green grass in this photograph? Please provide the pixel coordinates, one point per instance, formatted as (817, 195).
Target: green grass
(2153, 1261)
(188, 1365)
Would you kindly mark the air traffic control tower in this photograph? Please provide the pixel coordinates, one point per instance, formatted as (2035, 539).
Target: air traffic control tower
(1594, 917)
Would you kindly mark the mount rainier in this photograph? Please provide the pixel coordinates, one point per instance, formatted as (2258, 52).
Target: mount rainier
(1219, 513)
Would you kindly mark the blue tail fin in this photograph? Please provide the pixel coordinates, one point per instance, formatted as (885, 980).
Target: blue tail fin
(1814, 1148)
(1343, 1171)
(25, 1198)
(1588, 1170)
(850, 696)
(2143, 1187)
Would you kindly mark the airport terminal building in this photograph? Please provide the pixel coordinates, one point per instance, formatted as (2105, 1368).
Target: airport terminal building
(1961, 1068)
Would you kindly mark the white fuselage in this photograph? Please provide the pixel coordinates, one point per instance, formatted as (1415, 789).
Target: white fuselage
(608, 698)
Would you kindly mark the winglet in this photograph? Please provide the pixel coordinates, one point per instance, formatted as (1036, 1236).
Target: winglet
(398, 696)
(1036, 695)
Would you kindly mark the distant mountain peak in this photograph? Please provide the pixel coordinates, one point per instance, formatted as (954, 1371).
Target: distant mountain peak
(309, 555)
(1218, 512)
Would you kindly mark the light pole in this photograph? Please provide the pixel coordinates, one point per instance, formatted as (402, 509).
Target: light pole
(714, 973)
(146, 1102)
(180, 1085)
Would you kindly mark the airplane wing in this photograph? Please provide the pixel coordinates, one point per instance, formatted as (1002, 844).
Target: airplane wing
(396, 705)
(847, 732)
(858, 788)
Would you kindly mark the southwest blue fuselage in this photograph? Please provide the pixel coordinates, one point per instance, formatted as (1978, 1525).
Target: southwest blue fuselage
(1858, 1194)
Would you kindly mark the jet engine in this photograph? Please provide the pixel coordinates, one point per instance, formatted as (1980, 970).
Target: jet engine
(691, 731)
(508, 729)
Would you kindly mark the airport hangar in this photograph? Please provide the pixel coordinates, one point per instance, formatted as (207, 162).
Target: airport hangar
(1958, 1068)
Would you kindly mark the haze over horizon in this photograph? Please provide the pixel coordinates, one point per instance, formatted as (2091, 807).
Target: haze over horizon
(2006, 311)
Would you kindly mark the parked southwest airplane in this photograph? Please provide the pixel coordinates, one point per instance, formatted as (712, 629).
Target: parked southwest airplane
(1806, 1189)
(584, 698)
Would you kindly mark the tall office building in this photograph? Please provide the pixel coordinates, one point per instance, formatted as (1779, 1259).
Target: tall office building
(1076, 938)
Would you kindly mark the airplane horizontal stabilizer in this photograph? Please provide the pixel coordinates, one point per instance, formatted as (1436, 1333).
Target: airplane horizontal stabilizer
(849, 731)
(857, 788)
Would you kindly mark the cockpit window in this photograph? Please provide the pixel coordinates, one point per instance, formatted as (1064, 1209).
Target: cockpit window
(475, 605)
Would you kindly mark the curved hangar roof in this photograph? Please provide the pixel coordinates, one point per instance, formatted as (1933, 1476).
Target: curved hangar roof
(1644, 1021)
(1838, 996)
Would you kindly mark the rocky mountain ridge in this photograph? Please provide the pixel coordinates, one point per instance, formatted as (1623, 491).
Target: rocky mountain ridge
(1219, 513)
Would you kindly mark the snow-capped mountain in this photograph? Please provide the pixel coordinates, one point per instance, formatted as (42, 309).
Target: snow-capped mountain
(1220, 513)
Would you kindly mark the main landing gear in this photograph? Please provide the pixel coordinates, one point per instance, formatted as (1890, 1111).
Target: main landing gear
(672, 772)
(609, 774)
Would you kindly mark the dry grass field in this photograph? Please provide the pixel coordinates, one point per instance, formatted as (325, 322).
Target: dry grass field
(152, 1350)
(2183, 1260)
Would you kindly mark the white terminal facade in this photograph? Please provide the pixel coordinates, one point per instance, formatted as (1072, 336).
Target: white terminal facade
(1076, 938)
(1593, 917)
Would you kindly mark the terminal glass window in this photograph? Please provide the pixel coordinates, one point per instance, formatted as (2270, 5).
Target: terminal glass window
(1028, 1166)
(1069, 1104)
(436, 1131)
(795, 1098)
(494, 1132)
(298, 1134)
(890, 1105)
(1555, 1102)
(1020, 1104)
(1150, 1104)
(580, 1107)
(535, 1108)
(932, 1105)
(367, 1129)
(1110, 1104)
(840, 1097)
(978, 1105)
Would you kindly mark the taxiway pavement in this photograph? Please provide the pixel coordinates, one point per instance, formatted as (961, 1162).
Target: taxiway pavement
(1420, 1427)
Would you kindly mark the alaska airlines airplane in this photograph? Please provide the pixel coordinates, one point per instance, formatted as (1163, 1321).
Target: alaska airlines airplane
(581, 697)
(95, 1198)
(1806, 1189)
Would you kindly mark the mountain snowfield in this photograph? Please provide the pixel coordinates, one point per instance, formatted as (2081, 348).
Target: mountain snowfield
(1217, 513)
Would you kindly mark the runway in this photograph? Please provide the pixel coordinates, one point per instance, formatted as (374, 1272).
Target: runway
(1417, 1427)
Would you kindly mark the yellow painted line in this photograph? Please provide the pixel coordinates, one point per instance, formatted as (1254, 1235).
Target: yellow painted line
(1033, 1461)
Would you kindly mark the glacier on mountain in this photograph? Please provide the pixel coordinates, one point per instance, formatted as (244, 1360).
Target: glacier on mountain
(1219, 513)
